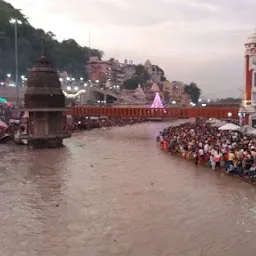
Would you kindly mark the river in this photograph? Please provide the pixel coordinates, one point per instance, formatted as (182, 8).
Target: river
(113, 192)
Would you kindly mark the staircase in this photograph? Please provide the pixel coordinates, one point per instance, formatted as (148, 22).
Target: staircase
(118, 96)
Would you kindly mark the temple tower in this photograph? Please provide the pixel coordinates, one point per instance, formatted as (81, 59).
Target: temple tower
(45, 103)
(250, 70)
(247, 111)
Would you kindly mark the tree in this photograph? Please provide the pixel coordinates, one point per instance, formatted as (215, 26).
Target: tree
(163, 79)
(141, 72)
(67, 55)
(193, 91)
(132, 84)
(166, 96)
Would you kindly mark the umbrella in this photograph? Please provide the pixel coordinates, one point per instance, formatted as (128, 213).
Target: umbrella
(247, 129)
(3, 125)
(229, 127)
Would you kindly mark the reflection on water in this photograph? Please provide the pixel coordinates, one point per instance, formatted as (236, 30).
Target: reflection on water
(112, 192)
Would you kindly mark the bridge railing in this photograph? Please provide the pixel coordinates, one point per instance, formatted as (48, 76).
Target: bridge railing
(155, 112)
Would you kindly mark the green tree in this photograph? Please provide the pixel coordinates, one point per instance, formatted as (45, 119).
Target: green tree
(132, 84)
(193, 91)
(142, 73)
(67, 55)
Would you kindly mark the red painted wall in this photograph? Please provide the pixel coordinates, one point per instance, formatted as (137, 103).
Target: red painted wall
(248, 79)
(206, 112)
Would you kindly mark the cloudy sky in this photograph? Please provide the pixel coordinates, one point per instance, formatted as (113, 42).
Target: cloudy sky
(192, 40)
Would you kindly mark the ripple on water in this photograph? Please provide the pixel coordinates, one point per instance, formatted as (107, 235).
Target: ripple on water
(112, 192)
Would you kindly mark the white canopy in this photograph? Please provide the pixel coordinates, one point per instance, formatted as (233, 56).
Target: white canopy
(216, 122)
(229, 127)
(252, 132)
(247, 129)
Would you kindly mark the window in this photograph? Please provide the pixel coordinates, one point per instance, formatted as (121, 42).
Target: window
(254, 80)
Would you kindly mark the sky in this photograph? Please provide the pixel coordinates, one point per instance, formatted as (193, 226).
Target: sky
(198, 41)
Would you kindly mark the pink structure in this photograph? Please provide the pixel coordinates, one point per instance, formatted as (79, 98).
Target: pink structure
(157, 103)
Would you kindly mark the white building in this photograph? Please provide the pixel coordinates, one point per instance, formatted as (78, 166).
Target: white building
(154, 72)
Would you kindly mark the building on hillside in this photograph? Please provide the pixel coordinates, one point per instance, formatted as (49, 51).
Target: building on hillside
(167, 87)
(122, 71)
(177, 93)
(177, 88)
(129, 71)
(154, 71)
(120, 78)
(99, 70)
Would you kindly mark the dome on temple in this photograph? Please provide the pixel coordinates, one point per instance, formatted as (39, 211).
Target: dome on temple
(155, 88)
(43, 86)
(43, 74)
(43, 64)
(139, 93)
(252, 38)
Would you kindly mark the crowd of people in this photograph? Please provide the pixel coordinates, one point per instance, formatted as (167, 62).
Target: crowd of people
(226, 150)
(89, 123)
(8, 112)
(8, 116)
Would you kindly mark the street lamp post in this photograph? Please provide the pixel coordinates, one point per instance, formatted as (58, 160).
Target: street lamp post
(16, 22)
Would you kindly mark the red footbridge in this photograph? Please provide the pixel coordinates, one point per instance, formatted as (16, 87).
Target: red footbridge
(228, 112)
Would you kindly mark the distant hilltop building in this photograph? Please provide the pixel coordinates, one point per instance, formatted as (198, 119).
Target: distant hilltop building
(112, 69)
(123, 71)
(113, 72)
(119, 72)
(154, 71)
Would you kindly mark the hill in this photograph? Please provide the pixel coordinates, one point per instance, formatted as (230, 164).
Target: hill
(67, 55)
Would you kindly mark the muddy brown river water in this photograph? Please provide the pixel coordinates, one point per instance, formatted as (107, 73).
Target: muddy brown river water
(112, 192)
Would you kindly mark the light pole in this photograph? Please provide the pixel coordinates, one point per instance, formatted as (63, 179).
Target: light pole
(16, 22)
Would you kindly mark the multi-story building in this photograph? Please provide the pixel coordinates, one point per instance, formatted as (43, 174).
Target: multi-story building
(129, 71)
(167, 87)
(177, 92)
(120, 78)
(99, 70)
(177, 89)
(122, 71)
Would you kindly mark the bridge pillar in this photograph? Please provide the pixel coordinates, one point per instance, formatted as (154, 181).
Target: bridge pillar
(105, 97)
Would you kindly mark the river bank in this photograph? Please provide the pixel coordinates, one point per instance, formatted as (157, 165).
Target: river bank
(228, 151)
